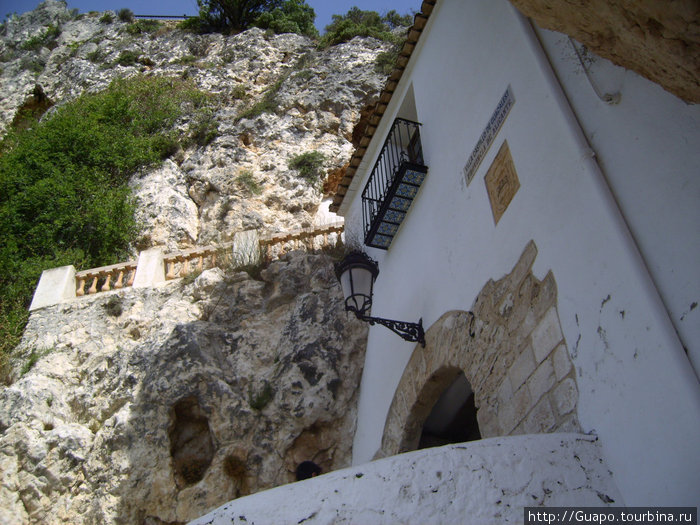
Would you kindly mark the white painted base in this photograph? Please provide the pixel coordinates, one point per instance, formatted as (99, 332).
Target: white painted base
(55, 286)
(488, 481)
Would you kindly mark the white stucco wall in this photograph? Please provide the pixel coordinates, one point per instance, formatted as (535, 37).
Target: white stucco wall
(648, 145)
(637, 389)
(483, 482)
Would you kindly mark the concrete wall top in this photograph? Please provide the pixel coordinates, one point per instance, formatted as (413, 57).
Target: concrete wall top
(490, 481)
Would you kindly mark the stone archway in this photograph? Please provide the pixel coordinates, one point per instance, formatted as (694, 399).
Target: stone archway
(511, 351)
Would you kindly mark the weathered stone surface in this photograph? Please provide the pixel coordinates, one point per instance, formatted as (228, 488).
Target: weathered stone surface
(508, 362)
(198, 197)
(193, 395)
(658, 40)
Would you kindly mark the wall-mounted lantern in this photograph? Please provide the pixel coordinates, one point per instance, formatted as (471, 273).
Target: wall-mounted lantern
(356, 273)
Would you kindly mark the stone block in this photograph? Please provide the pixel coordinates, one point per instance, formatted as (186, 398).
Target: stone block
(488, 422)
(564, 396)
(540, 419)
(522, 367)
(509, 415)
(561, 361)
(150, 268)
(546, 335)
(55, 286)
(541, 380)
(505, 392)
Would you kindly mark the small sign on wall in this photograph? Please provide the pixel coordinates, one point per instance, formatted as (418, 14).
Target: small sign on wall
(501, 182)
(489, 134)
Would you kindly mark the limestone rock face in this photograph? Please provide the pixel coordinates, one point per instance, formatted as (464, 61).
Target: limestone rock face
(155, 405)
(239, 178)
(159, 404)
(658, 40)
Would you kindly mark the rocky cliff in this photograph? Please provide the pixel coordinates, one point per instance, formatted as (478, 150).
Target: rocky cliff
(154, 405)
(658, 40)
(313, 100)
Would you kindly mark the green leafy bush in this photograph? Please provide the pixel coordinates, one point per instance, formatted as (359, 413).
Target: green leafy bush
(386, 60)
(64, 197)
(125, 15)
(277, 16)
(247, 180)
(293, 16)
(259, 400)
(357, 22)
(268, 103)
(203, 128)
(34, 356)
(128, 58)
(235, 15)
(34, 64)
(45, 39)
(309, 165)
(143, 26)
(96, 56)
(107, 18)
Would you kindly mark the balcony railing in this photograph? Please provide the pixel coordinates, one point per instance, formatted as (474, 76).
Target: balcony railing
(394, 183)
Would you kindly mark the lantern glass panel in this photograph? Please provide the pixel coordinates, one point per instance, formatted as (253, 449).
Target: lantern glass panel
(357, 288)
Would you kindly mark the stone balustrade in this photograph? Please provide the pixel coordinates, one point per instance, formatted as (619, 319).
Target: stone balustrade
(59, 285)
(276, 244)
(105, 278)
(182, 263)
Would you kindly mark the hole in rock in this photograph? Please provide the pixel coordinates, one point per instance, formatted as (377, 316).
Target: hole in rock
(191, 443)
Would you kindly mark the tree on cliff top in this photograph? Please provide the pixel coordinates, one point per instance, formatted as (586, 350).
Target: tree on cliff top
(234, 14)
(357, 22)
(280, 16)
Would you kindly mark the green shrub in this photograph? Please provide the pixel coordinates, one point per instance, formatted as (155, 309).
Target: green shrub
(34, 64)
(386, 60)
(96, 56)
(309, 165)
(203, 128)
(357, 22)
(113, 306)
(143, 26)
(233, 15)
(185, 60)
(46, 39)
(64, 197)
(267, 104)
(240, 92)
(34, 43)
(193, 24)
(125, 15)
(259, 400)
(247, 180)
(107, 18)
(293, 16)
(34, 356)
(128, 58)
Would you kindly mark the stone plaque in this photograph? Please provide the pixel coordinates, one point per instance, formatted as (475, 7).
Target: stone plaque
(501, 182)
(489, 134)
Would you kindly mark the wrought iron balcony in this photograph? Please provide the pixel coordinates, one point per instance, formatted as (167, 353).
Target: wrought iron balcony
(394, 183)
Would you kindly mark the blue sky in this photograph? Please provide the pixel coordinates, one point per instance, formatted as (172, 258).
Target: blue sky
(324, 8)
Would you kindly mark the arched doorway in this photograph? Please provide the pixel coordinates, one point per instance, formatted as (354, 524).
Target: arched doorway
(512, 354)
(452, 418)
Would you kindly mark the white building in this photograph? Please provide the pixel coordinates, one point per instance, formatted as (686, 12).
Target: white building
(551, 251)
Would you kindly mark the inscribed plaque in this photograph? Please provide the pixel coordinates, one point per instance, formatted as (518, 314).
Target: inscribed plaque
(501, 182)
